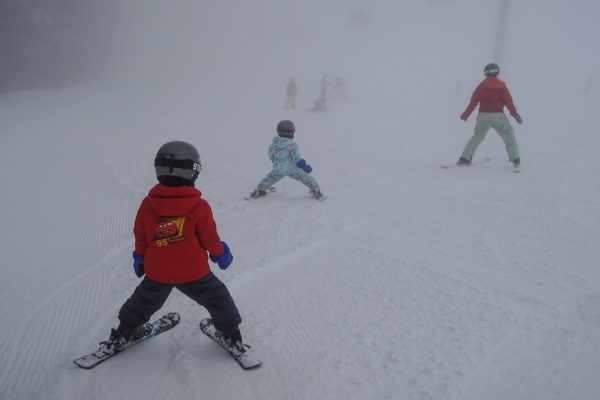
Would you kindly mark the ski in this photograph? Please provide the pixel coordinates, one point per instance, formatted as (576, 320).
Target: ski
(516, 170)
(163, 324)
(476, 162)
(269, 191)
(243, 357)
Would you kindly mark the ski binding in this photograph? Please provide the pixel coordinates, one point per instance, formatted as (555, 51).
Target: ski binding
(243, 356)
(104, 352)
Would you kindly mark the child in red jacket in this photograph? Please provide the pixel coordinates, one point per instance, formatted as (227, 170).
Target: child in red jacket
(174, 230)
(492, 95)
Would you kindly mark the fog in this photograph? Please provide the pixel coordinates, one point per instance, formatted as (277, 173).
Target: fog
(236, 53)
(244, 52)
(400, 54)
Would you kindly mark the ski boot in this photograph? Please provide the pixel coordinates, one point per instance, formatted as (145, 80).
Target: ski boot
(258, 193)
(463, 162)
(140, 332)
(317, 194)
(114, 344)
(233, 341)
(516, 165)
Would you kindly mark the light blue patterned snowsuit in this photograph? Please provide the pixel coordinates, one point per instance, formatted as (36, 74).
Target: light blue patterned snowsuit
(284, 154)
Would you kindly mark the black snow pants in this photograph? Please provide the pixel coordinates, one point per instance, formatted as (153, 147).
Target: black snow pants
(207, 291)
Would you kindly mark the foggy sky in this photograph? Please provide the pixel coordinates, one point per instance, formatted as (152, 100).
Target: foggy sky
(234, 48)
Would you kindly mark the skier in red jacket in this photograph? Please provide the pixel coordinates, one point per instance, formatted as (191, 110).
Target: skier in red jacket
(175, 235)
(492, 95)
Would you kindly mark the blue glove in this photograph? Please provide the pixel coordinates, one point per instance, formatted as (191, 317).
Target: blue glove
(304, 166)
(225, 259)
(138, 265)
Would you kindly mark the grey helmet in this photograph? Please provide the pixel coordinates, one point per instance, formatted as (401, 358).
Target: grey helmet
(491, 70)
(286, 129)
(177, 161)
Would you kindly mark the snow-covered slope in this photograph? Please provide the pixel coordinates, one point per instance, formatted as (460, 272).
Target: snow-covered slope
(409, 282)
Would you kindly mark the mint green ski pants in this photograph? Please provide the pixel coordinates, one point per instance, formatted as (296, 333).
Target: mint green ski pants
(499, 122)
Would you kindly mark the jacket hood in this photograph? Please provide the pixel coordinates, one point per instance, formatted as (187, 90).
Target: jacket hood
(174, 201)
(492, 82)
(281, 142)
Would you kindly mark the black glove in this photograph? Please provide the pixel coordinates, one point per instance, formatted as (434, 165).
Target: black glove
(518, 119)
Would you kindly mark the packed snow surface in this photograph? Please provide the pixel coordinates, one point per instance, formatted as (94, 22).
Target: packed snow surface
(409, 282)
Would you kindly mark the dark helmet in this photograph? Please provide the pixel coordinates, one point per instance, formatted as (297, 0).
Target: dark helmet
(286, 129)
(491, 70)
(177, 163)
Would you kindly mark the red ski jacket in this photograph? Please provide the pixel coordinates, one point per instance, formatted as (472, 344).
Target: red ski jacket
(174, 229)
(492, 95)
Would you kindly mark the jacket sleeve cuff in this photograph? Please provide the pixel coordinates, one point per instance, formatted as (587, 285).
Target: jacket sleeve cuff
(218, 253)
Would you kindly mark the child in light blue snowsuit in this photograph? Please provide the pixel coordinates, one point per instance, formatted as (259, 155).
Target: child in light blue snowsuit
(287, 161)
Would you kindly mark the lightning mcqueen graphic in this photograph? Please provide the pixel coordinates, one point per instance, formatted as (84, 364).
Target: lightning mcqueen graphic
(166, 230)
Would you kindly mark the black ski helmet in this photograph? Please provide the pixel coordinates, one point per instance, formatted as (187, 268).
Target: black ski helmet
(286, 129)
(491, 70)
(177, 163)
